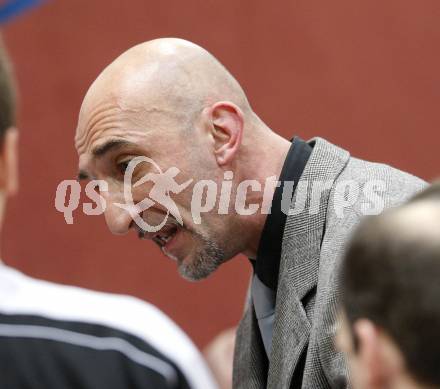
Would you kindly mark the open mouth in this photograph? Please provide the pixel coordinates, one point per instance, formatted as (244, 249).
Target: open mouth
(165, 234)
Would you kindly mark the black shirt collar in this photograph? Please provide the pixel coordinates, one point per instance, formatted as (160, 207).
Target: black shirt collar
(269, 250)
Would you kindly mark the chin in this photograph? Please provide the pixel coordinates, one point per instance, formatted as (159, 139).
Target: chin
(202, 263)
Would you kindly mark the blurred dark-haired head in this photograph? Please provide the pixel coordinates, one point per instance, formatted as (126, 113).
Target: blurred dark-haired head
(8, 132)
(390, 285)
(7, 93)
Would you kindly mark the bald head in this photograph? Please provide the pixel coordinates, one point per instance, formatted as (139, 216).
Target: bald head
(167, 75)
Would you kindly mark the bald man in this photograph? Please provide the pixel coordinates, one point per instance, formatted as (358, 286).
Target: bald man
(287, 205)
(390, 297)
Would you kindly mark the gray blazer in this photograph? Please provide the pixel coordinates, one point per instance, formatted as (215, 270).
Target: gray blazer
(303, 353)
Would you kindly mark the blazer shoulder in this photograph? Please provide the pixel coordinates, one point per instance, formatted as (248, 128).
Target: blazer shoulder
(397, 185)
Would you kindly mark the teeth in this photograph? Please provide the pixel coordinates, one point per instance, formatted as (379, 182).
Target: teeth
(165, 235)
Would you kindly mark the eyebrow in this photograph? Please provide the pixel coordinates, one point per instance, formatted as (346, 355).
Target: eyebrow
(101, 150)
(114, 144)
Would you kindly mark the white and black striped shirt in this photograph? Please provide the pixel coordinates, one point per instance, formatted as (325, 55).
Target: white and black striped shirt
(57, 336)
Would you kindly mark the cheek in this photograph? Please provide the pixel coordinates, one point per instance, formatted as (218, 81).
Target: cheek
(183, 199)
(114, 192)
(141, 192)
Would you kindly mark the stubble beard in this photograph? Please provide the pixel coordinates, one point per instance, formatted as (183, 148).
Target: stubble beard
(206, 260)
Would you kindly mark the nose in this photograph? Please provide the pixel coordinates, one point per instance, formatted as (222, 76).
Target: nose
(118, 220)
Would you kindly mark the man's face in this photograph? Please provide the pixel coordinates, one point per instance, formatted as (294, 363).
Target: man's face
(110, 135)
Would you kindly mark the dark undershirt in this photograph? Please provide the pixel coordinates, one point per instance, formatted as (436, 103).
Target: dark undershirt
(267, 263)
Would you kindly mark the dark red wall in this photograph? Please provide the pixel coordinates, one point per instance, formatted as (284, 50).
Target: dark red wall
(364, 74)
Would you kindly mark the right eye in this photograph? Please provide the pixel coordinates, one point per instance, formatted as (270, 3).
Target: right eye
(122, 166)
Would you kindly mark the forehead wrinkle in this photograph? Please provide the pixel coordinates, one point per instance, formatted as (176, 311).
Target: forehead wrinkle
(120, 122)
(104, 121)
(100, 128)
(119, 108)
(93, 113)
(99, 114)
(119, 134)
(93, 136)
(104, 124)
(95, 117)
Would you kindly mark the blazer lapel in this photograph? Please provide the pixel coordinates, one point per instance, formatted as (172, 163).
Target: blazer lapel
(299, 267)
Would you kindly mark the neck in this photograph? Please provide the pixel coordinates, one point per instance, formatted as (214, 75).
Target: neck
(264, 158)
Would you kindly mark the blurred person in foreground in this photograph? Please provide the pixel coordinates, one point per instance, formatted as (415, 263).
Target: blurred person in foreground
(170, 111)
(390, 285)
(54, 336)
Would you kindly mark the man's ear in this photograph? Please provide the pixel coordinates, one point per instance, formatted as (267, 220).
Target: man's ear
(370, 352)
(9, 162)
(227, 130)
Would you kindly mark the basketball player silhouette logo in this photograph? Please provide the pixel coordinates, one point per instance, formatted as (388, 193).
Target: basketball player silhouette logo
(164, 183)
